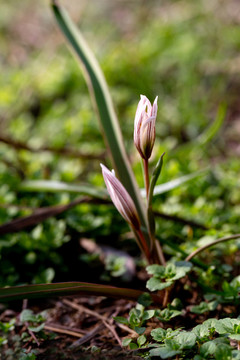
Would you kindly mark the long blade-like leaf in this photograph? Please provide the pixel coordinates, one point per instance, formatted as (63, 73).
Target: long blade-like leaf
(205, 137)
(154, 179)
(100, 193)
(103, 104)
(170, 185)
(66, 289)
(213, 129)
(59, 186)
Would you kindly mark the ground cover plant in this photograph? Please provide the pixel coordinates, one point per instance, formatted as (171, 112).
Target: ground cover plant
(173, 266)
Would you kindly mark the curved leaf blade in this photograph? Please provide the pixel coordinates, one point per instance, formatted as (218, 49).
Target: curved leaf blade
(103, 104)
(170, 185)
(66, 289)
(59, 186)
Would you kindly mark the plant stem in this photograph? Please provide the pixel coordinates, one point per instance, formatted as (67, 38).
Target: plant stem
(146, 176)
(155, 247)
(166, 296)
(199, 250)
(159, 252)
(144, 246)
(155, 253)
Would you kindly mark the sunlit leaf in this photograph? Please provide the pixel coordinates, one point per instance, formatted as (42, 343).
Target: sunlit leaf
(170, 185)
(59, 186)
(102, 102)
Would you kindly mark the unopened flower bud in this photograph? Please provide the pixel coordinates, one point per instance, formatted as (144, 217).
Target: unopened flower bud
(120, 198)
(144, 126)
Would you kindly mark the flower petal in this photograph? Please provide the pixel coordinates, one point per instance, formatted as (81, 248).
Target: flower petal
(144, 126)
(120, 197)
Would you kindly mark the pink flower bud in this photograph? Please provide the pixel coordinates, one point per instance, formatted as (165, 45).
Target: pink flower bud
(144, 126)
(120, 198)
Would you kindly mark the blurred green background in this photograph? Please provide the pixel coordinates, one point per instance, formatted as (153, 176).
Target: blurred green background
(187, 53)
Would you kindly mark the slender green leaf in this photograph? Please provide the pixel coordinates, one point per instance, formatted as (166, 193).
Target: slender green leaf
(206, 136)
(68, 288)
(154, 179)
(59, 186)
(99, 193)
(170, 185)
(213, 129)
(103, 104)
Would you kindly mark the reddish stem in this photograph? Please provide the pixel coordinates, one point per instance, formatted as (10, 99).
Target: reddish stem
(144, 246)
(146, 176)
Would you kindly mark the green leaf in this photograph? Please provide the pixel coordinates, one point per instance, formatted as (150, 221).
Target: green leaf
(172, 333)
(170, 185)
(235, 355)
(223, 352)
(141, 340)
(203, 330)
(167, 314)
(27, 315)
(213, 128)
(206, 136)
(126, 341)
(204, 307)
(121, 320)
(68, 288)
(3, 340)
(29, 356)
(59, 186)
(227, 325)
(7, 326)
(148, 314)
(145, 299)
(176, 304)
(95, 349)
(156, 270)
(230, 292)
(135, 317)
(133, 346)
(186, 339)
(103, 105)
(184, 265)
(36, 328)
(139, 330)
(180, 273)
(158, 334)
(164, 352)
(155, 175)
(234, 337)
(235, 283)
(170, 271)
(154, 284)
(210, 347)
